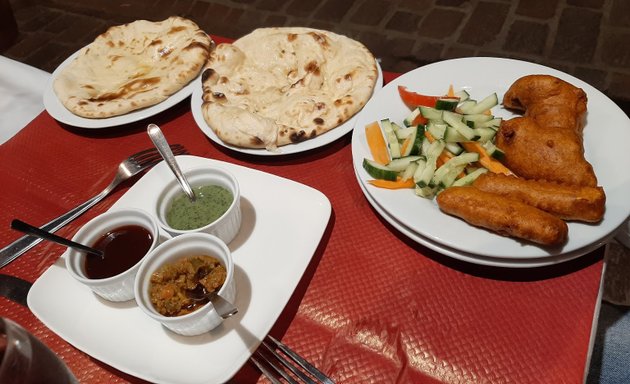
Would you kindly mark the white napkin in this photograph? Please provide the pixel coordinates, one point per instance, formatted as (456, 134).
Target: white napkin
(21, 95)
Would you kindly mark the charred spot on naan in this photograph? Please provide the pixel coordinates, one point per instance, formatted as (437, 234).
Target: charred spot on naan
(312, 67)
(320, 39)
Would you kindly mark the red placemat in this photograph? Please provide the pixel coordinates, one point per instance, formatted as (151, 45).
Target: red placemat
(373, 306)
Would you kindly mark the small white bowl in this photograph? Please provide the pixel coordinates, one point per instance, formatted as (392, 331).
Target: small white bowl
(205, 318)
(225, 227)
(121, 286)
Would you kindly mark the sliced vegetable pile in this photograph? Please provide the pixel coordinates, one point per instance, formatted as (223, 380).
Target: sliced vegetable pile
(445, 141)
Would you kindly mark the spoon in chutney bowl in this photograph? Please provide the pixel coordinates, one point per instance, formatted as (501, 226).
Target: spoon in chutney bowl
(28, 229)
(158, 139)
(223, 307)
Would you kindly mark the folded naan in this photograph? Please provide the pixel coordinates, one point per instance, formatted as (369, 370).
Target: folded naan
(133, 66)
(277, 86)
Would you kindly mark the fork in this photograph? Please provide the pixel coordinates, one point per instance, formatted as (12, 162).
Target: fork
(307, 374)
(127, 169)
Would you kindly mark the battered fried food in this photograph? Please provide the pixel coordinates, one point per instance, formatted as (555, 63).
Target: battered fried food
(561, 200)
(504, 215)
(550, 101)
(535, 152)
(547, 143)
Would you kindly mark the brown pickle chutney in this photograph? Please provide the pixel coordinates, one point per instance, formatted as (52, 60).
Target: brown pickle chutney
(172, 281)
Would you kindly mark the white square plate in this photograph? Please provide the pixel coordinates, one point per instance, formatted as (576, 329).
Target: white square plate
(283, 222)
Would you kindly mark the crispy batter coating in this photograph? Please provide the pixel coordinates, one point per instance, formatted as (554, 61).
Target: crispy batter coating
(564, 201)
(503, 215)
(547, 144)
(552, 102)
(534, 152)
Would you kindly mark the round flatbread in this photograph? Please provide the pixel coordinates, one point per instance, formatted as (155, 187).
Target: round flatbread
(133, 66)
(277, 86)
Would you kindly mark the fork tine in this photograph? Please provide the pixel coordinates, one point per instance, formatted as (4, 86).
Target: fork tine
(150, 152)
(268, 374)
(150, 158)
(276, 368)
(287, 364)
(319, 375)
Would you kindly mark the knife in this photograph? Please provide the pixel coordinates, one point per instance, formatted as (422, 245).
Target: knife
(14, 288)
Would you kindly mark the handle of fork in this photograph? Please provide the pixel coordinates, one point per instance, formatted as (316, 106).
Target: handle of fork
(158, 139)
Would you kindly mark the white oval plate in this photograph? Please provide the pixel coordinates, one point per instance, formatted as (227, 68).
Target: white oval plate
(319, 141)
(57, 110)
(606, 135)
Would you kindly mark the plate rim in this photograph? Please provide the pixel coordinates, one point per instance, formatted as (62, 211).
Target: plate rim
(523, 250)
(307, 145)
(59, 112)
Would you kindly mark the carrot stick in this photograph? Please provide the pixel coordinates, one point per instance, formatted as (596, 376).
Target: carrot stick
(451, 91)
(398, 184)
(377, 144)
(492, 164)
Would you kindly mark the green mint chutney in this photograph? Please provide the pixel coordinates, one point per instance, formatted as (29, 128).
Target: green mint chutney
(211, 202)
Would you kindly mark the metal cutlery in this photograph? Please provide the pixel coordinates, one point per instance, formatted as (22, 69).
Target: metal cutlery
(271, 362)
(158, 139)
(130, 167)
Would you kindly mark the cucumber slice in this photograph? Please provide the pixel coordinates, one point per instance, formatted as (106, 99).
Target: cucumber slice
(391, 138)
(446, 174)
(454, 148)
(455, 121)
(402, 163)
(462, 95)
(494, 123)
(469, 178)
(379, 171)
(487, 103)
(449, 177)
(421, 164)
(478, 118)
(431, 113)
(465, 105)
(409, 171)
(485, 134)
(403, 133)
(446, 103)
(493, 150)
(427, 173)
(426, 192)
(412, 145)
(411, 117)
(452, 136)
(436, 129)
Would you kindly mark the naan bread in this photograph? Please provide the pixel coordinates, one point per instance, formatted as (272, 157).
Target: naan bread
(278, 86)
(133, 66)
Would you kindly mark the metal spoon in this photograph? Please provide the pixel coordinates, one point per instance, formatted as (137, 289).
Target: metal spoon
(34, 231)
(158, 139)
(223, 307)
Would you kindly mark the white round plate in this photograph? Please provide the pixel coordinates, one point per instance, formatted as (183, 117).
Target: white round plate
(319, 141)
(606, 135)
(56, 109)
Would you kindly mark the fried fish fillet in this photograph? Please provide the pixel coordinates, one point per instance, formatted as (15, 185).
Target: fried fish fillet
(550, 101)
(503, 215)
(566, 202)
(535, 152)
